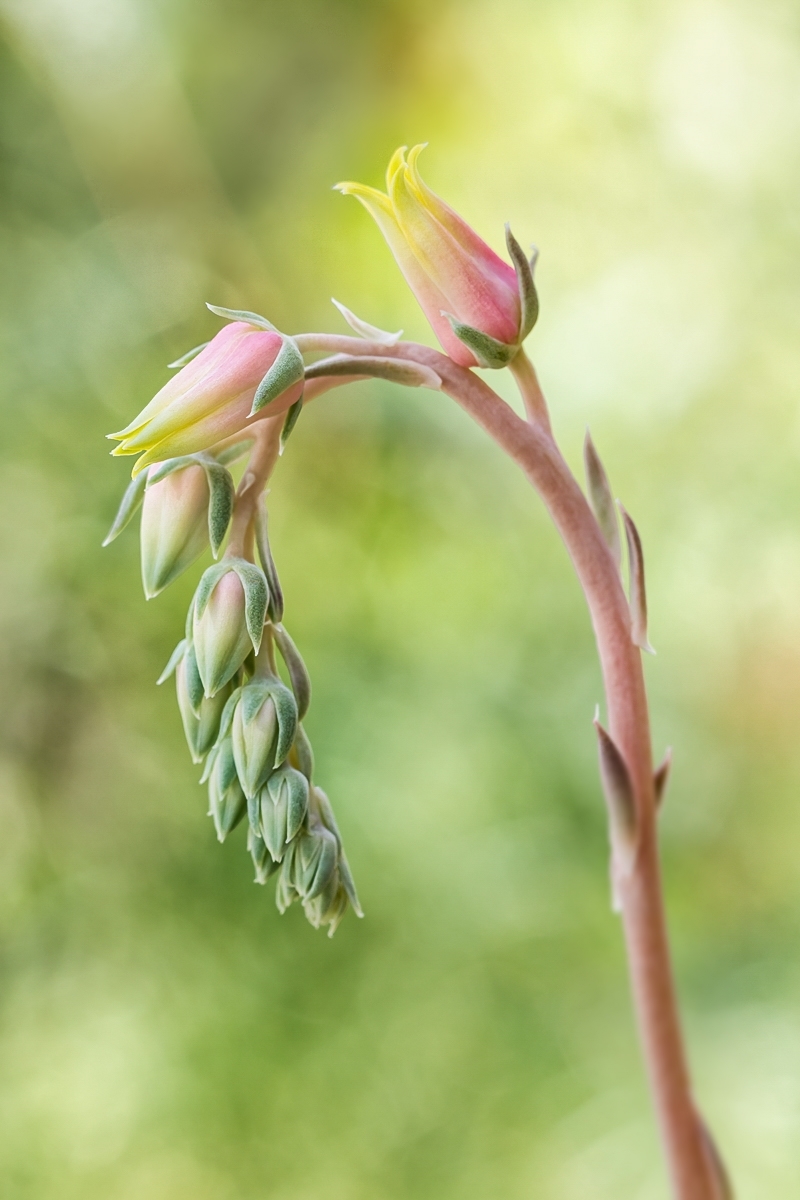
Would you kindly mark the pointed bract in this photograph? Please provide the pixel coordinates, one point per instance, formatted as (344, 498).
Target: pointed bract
(620, 801)
(661, 777)
(129, 505)
(396, 370)
(365, 330)
(636, 587)
(601, 498)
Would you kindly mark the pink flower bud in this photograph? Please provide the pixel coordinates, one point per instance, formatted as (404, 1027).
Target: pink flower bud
(220, 637)
(174, 529)
(447, 266)
(209, 399)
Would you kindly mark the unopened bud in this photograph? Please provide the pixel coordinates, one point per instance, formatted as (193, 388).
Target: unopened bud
(262, 860)
(263, 728)
(228, 619)
(283, 805)
(174, 530)
(317, 852)
(227, 803)
(200, 724)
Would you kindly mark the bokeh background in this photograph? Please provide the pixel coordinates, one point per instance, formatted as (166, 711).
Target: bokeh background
(163, 1032)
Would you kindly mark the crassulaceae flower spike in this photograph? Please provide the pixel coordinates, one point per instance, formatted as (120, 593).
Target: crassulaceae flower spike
(365, 330)
(129, 506)
(208, 400)
(620, 801)
(601, 498)
(661, 777)
(447, 266)
(229, 608)
(637, 593)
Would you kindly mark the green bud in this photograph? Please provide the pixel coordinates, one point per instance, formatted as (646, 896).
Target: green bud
(200, 725)
(228, 619)
(328, 908)
(262, 861)
(317, 853)
(174, 529)
(227, 803)
(288, 789)
(255, 741)
(286, 892)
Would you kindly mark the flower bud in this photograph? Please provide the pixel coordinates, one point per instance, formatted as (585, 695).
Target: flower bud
(479, 306)
(174, 530)
(228, 619)
(212, 396)
(317, 853)
(284, 803)
(227, 803)
(263, 862)
(263, 728)
(200, 724)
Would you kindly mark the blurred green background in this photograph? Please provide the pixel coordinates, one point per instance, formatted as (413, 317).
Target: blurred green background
(163, 1032)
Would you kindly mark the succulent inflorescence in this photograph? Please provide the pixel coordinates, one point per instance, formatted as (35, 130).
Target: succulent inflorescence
(241, 720)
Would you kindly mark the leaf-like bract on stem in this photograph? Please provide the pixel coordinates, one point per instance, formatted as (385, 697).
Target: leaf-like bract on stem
(637, 593)
(620, 800)
(601, 498)
(396, 370)
(365, 330)
(661, 777)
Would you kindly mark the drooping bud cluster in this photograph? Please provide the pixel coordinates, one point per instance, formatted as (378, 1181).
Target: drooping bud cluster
(241, 720)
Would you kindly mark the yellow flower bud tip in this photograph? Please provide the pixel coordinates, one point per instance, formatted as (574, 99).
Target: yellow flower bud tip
(208, 399)
(446, 264)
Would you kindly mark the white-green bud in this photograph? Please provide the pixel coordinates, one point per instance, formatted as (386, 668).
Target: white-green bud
(262, 859)
(174, 530)
(201, 721)
(228, 619)
(315, 862)
(227, 803)
(263, 729)
(283, 805)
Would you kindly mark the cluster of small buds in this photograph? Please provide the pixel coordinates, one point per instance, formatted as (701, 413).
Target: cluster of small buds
(242, 722)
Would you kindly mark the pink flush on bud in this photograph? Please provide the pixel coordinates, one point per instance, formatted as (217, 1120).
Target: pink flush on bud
(447, 266)
(221, 640)
(174, 529)
(208, 400)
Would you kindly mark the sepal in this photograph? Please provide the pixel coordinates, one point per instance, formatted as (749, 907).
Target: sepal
(290, 420)
(287, 370)
(227, 804)
(298, 675)
(129, 505)
(528, 296)
(488, 351)
(365, 330)
(241, 314)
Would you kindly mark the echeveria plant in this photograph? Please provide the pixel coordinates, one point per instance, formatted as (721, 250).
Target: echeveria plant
(238, 397)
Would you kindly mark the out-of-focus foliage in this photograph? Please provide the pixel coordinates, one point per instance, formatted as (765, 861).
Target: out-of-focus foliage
(164, 1033)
